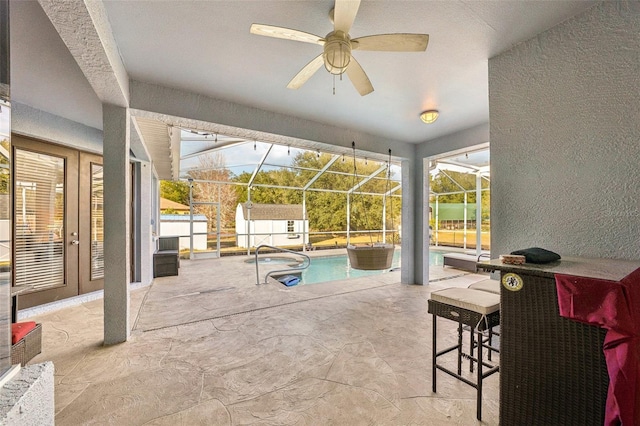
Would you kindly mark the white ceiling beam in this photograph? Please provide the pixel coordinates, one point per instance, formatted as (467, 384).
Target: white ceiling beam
(84, 28)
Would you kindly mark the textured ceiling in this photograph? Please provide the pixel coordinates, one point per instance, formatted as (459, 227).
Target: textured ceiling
(205, 47)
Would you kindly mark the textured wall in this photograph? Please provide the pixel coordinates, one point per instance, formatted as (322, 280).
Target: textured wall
(565, 137)
(28, 398)
(29, 121)
(117, 226)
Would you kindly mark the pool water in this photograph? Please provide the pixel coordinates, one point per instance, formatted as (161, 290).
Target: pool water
(332, 268)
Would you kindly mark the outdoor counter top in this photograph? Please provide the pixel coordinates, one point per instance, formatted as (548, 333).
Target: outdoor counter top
(597, 268)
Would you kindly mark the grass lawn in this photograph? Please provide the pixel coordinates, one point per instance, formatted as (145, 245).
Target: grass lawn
(448, 238)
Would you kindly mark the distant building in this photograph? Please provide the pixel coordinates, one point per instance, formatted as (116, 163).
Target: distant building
(178, 225)
(171, 207)
(273, 224)
(174, 221)
(451, 215)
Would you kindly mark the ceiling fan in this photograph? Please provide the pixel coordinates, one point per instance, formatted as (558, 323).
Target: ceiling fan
(338, 45)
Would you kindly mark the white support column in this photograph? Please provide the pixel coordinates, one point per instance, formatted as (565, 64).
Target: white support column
(384, 219)
(305, 230)
(249, 221)
(478, 214)
(437, 219)
(190, 219)
(413, 247)
(464, 231)
(117, 193)
(146, 223)
(348, 218)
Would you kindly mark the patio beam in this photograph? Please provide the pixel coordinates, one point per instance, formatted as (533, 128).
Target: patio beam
(84, 28)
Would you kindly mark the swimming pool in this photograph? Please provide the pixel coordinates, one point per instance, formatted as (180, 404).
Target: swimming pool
(332, 268)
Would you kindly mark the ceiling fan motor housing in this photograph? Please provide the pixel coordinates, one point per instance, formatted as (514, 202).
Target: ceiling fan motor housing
(337, 52)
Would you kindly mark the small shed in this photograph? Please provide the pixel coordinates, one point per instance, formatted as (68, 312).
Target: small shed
(273, 224)
(178, 225)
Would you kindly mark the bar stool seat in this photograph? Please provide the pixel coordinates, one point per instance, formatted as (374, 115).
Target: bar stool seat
(480, 310)
(491, 286)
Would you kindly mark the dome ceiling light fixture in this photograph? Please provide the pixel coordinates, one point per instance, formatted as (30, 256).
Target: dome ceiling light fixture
(429, 116)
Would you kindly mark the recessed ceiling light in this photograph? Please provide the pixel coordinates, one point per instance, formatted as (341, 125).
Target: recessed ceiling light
(429, 116)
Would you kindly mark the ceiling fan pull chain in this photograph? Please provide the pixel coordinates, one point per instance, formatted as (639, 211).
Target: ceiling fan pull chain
(334, 84)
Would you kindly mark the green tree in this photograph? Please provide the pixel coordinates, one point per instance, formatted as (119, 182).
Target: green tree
(326, 211)
(175, 190)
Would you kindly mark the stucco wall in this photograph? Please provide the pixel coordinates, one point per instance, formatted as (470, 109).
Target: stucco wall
(565, 137)
(28, 398)
(32, 122)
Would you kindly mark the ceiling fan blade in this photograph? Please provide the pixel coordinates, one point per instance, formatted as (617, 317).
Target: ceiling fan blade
(285, 33)
(359, 78)
(400, 42)
(306, 73)
(344, 13)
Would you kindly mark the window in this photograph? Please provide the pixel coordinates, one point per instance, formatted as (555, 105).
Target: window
(290, 227)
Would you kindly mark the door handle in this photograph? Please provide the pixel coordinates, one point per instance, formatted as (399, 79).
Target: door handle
(75, 242)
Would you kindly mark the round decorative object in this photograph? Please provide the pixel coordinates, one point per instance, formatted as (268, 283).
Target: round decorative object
(512, 282)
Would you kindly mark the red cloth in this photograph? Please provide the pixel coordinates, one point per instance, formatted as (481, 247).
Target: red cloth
(615, 306)
(20, 329)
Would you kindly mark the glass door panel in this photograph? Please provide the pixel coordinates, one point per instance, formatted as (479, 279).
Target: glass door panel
(91, 223)
(45, 217)
(39, 219)
(97, 221)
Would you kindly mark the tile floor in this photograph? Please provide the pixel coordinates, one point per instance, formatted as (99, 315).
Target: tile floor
(210, 347)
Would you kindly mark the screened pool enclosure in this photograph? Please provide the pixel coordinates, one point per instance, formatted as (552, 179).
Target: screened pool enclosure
(342, 199)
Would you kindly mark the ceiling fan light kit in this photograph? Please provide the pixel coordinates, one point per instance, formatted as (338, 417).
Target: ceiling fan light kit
(337, 46)
(429, 116)
(337, 52)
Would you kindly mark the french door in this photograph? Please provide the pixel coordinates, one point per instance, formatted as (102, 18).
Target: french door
(57, 216)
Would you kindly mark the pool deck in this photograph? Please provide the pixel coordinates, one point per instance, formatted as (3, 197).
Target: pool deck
(211, 347)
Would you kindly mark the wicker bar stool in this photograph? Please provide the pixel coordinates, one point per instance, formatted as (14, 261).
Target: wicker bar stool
(480, 310)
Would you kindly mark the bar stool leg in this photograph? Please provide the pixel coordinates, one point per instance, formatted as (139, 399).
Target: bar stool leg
(479, 395)
(490, 342)
(434, 351)
(472, 344)
(459, 348)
